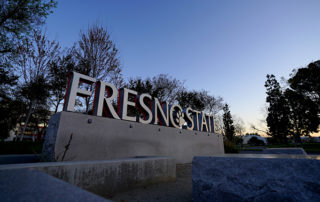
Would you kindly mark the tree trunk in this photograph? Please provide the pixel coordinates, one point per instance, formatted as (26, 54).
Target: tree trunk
(27, 120)
(57, 106)
(297, 138)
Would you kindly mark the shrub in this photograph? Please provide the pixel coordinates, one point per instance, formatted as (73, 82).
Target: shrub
(20, 147)
(230, 147)
(256, 142)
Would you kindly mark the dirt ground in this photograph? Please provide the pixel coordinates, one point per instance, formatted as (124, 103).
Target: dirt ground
(181, 190)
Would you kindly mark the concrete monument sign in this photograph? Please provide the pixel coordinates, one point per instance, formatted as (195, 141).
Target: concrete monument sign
(160, 129)
(153, 111)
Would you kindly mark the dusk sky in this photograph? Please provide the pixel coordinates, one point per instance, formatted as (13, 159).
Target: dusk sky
(224, 47)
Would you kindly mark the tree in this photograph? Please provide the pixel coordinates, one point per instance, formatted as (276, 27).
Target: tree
(191, 99)
(11, 112)
(58, 72)
(97, 56)
(256, 134)
(200, 100)
(229, 129)
(218, 124)
(304, 100)
(166, 88)
(35, 55)
(162, 86)
(213, 104)
(238, 125)
(17, 19)
(305, 81)
(141, 86)
(303, 115)
(255, 141)
(278, 110)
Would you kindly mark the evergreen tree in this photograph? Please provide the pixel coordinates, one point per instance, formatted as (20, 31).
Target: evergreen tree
(278, 110)
(229, 130)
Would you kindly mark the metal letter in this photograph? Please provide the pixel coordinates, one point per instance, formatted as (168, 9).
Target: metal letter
(73, 89)
(196, 119)
(124, 102)
(144, 109)
(163, 116)
(203, 122)
(178, 117)
(189, 120)
(211, 124)
(100, 100)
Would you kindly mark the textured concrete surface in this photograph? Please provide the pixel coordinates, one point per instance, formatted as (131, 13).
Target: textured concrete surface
(19, 158)
(178, 191)
(276, 178)
(100, 138)
(30, 185)
(109, 176)
(50, 139)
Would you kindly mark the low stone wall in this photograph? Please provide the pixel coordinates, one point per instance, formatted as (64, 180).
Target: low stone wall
(109, 176)
(36, 186)
(78, 137)
(256, 178)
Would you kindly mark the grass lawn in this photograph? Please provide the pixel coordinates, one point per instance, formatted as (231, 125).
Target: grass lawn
(312, 148)
(280, 145)
(20, 147)
(253, 149)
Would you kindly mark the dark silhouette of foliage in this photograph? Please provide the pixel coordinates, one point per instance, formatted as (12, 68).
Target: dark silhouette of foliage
(305, 81)
(295, 110)
(97, 56)
(229, 130)
(230, 147)
(35, 55)
(11, 111)
(303, 115)
(278, 110)
(17, 19)
(257, 134)
(191, 99)
(255, 142)
(58, 78)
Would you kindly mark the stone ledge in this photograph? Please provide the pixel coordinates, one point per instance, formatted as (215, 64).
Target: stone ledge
(108, 176)
(256, 178)
(31, 185)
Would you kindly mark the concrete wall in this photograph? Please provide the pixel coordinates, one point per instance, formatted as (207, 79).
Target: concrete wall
(99, 138)
(108, 176)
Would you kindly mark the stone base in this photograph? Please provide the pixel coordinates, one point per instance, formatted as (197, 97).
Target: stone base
(78, 137)
(255, 178)
(109, 176)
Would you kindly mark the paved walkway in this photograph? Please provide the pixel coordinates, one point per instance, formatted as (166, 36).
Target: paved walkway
(181, 190)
